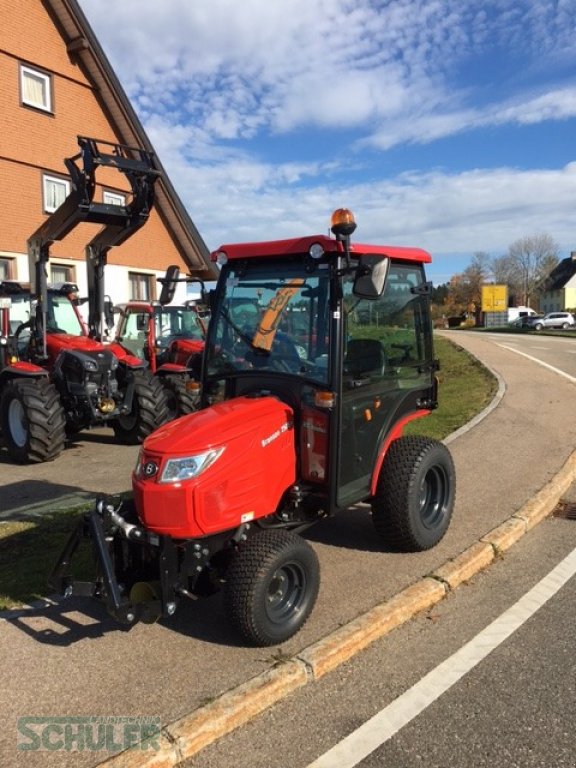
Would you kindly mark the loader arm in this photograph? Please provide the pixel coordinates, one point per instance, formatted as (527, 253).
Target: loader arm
(119, 221)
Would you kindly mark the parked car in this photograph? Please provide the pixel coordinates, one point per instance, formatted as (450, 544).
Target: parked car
(553, 320)
(526, 321)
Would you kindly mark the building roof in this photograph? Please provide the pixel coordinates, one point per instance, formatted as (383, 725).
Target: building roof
(560, 275)
(83, 46)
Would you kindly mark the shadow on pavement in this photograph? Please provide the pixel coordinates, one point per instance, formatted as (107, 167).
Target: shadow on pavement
(350, 529)
(71, 620)
(26, 499)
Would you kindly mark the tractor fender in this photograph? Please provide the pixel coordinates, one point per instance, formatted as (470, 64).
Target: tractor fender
(22, 368)
(251, 446)
(394, 434)
(126, 357)
(170, 368)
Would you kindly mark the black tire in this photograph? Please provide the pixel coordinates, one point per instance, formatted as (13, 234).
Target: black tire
(414, 499)
(178, 398)
(538, 326)
(33, 420)
(271, 587)
(149, 410)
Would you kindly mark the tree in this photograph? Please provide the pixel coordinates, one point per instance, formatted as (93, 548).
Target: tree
(465, 293)
(532, 259)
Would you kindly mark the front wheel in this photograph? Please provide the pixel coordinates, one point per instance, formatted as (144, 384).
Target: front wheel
(414, 498)
(271, 587)
(149, 410)
(32, 419)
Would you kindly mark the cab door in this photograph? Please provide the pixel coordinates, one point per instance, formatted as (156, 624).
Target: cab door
(387, 366)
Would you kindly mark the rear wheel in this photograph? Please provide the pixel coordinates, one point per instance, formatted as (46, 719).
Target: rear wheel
(414, 499)
(271, 587)
(149, 410)
(33, 421)
(179, 399)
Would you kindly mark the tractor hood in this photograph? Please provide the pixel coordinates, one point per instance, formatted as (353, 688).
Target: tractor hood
(216, 426)
(246, 481)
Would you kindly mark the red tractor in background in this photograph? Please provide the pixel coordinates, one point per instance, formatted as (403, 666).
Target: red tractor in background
(56, 375)
(318, 354)
(170, 337)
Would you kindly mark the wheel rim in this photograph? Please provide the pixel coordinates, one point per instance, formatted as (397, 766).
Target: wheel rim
(285, 594)
(17, 423)
(433, 497)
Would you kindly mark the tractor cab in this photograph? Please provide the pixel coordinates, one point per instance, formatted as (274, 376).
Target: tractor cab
(148, 329)
(341, 334)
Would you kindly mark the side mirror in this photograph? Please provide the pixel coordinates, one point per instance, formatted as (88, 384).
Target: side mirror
(371, 276)
(109, 313)
(169, 284)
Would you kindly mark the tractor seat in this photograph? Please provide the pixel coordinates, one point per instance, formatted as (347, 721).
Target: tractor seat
(364, 356)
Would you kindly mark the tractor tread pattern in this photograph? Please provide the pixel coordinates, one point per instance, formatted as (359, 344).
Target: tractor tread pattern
(185, 402)
(46, 422)
(152, 410)
(248, 568)
(396, 485)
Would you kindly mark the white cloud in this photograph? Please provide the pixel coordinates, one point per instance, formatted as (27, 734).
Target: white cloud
(230, 93)
(237, 69)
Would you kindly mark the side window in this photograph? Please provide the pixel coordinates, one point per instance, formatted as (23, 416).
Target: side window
(113, 198)
(142, 286)
(35, 88)
(6, 269)
(61, 273)
(384, 337)
(55, 190)
(134, 322)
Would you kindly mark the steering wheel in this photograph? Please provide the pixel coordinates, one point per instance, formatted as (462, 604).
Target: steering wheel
(284, 354)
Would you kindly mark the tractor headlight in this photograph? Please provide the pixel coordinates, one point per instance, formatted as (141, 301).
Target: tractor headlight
(90, 365)
(187, 467)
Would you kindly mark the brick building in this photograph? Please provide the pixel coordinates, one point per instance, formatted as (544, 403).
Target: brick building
(57, 84)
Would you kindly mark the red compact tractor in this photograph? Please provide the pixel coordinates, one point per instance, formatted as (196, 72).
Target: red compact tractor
(56, 375)
(170, 338)
(318, 354)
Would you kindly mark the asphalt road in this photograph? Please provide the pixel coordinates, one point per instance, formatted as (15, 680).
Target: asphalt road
(70, 659)
(513, 709)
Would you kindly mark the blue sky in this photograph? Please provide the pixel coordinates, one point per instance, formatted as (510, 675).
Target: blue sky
(445, 124)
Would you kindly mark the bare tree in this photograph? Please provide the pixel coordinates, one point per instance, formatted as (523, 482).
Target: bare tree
(531, 259)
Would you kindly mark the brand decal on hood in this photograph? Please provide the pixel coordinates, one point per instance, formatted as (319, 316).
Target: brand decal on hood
(275, 435)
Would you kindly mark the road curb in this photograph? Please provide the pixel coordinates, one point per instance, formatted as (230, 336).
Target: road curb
(188, 735)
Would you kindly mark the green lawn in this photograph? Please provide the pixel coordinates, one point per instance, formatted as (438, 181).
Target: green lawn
(466, 387)
(28, 550)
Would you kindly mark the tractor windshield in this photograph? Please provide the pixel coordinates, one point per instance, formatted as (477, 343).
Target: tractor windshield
(62, 316)
(178, 322)
(272, 318)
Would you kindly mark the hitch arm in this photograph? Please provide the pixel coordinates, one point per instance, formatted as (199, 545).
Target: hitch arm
(93, 526)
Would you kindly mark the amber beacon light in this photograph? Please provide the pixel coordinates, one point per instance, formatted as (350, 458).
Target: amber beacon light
(342, 223)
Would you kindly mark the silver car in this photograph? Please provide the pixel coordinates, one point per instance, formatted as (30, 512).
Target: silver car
(554, 320)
